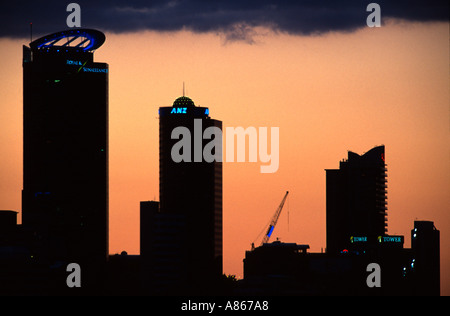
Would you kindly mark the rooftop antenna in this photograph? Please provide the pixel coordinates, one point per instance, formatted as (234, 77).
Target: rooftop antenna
(183, 89)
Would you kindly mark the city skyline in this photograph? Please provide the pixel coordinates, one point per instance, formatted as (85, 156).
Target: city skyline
(394, 105)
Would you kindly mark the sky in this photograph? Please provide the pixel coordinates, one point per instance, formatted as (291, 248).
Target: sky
(311, 68)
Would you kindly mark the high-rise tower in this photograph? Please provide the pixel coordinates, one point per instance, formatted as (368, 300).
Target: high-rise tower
(65, 153)
(188, 219)
(356, 199)
(192, 189)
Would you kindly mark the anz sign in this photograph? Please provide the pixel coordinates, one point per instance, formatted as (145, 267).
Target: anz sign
(199, 111)
(178, 111)
(191, 112)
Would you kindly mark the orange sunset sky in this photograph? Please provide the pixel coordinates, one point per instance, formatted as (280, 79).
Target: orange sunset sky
(327, 94)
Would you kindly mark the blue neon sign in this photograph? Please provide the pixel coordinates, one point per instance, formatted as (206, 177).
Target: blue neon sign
(93, 38)
(178, 111)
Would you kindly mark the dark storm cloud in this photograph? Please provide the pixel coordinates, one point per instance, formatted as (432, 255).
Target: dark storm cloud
(235, 18)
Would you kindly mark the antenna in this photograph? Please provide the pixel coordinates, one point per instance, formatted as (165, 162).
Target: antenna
(183, 89)
(289, 207)
(31, 32)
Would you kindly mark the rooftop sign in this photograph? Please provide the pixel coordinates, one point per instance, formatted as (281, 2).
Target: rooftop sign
(83, 39)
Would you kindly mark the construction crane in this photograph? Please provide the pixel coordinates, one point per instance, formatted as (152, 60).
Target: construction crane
(272, 223)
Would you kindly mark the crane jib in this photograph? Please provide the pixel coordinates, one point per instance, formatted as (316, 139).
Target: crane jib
(273, 222)
(269, 232)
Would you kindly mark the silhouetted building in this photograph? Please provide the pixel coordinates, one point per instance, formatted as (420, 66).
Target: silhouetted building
(9, 230)
(16, 261)
(356, 199)
(288, 269)
(8, 220)
(148, 209)
(276, 268)
(185, 232)
(124, 275)
(163, 252)
(65, 156)
(425, 265)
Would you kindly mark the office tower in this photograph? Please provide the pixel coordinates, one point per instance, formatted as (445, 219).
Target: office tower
(425, 265)
(65, 153)
(356, 199)
(191, 188)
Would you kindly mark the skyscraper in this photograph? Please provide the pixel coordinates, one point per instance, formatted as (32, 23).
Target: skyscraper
(190, 209)
(356, 200)
(65, 153)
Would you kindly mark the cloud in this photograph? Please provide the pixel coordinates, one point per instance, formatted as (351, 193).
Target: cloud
(234, 18)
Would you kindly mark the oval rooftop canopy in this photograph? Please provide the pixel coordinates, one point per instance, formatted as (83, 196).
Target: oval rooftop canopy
(183, 102)
(84, 39)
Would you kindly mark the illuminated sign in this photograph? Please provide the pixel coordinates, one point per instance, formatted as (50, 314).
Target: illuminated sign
(91, 39)
(85, 69)
(184, 111)
(178, 111)
(74, 62)
(390, 239)
(358, 239)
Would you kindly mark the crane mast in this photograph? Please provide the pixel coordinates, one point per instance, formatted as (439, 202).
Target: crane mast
(274, 221)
